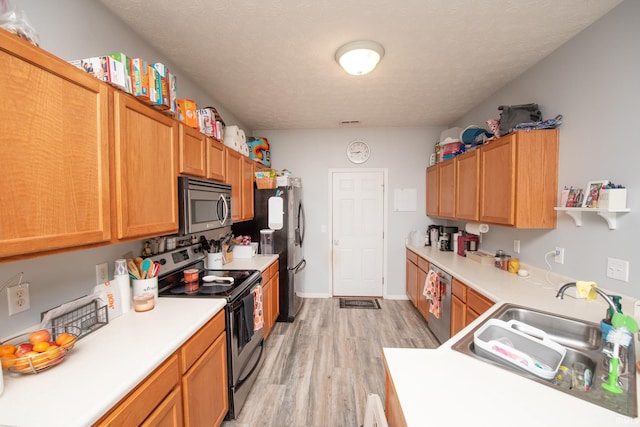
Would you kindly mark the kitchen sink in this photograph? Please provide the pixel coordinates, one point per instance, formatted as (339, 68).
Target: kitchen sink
(584, 345)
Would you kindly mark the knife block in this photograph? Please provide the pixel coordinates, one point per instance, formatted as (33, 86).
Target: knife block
(228, 256)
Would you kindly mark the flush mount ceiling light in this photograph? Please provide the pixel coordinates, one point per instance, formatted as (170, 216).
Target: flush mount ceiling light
(359, 57)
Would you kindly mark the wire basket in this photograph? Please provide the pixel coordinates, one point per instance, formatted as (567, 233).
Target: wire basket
(87, 318)
(266, 183)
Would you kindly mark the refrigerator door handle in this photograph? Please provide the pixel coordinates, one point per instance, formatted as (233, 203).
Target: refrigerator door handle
(301, 265)
(300, 225)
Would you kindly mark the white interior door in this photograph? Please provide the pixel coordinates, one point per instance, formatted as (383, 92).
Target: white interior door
(358, 233)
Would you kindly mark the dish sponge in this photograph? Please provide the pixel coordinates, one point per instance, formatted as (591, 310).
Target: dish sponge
(585, 290)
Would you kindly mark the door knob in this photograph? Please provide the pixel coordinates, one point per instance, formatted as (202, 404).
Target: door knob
(336, 242)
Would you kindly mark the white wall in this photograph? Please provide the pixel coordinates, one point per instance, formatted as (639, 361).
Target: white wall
(593, 81)
(311, 153)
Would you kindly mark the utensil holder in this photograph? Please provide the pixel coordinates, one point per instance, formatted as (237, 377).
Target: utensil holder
(214, 261)
(142, 288)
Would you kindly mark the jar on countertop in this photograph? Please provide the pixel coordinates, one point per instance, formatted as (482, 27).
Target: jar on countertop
(514, 265)
(498, 258)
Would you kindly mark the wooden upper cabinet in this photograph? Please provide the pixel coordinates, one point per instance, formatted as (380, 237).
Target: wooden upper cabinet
(498, 181)
(233, 176)
(215, 160)
(446, 189)
(146, 169)
(519, 179)
(55, 146)
(248, 180)
(467, 170)
(432, 190)
(193, 152)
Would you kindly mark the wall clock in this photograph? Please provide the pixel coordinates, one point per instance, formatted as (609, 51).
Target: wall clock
(358, 151)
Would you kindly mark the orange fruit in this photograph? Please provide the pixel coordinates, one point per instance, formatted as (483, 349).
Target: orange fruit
(22, 363)
(41, 346)
(8, 360)
(54, 352)
(65, 340)
(7, 349)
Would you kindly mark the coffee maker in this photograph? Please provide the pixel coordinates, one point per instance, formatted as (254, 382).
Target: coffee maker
(433, 235)
(468, 242)
(445, 242)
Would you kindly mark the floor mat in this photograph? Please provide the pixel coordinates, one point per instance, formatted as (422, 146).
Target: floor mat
(359, 303)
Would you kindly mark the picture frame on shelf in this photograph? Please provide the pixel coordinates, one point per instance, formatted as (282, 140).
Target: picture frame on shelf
(591, 193)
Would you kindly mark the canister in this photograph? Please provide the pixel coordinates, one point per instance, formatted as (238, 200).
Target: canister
(514, 265)
(266, 242)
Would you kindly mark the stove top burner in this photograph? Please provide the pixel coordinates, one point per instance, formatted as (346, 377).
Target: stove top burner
(211, 283)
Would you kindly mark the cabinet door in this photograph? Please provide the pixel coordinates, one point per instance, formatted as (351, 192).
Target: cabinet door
(215, 160)
(446, 189)
(497, 185)
(204, 387)
(55, 147)
(467, 169)
(168, 413)
(233, 170)
(193, 152)
(423, 304)
(146, 147)
(266, 306)
(275, 298)
(412, 282)
(458, 315)
(432, 190)
(247, 188)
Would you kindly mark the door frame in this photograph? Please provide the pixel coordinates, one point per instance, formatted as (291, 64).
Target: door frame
(385, 200)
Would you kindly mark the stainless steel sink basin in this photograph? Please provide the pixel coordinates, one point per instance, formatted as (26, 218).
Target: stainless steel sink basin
(584, 344)
(563, 330)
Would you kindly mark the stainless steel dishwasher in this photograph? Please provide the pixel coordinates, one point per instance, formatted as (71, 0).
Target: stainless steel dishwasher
(439, 320)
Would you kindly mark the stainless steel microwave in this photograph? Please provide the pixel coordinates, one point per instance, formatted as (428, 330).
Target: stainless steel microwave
(204, 205)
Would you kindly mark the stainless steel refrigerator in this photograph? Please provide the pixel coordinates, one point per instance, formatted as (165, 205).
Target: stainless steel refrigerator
(287, 241)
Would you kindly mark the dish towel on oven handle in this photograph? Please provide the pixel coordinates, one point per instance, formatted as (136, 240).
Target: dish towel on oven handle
(432, 292)
(258, 316)
(246, 330)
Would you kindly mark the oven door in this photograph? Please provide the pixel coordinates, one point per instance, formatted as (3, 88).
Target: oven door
(245, 354)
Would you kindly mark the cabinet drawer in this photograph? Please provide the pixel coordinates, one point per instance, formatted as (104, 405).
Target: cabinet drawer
(138, 405)
(477, 302)
(412, 256)
(459, 289)
(201, 340)
(423, 264)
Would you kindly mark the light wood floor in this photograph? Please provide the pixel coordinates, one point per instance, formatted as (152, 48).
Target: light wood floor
(319, 369)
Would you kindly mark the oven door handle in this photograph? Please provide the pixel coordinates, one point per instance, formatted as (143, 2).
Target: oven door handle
(254, 367)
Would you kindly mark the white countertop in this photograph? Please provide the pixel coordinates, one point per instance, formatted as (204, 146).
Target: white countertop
(107, 364)
(444, 387)
(103, 366)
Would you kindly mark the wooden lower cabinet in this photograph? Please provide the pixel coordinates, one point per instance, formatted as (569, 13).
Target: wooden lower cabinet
(392, 409)
(423, 303)
(412, 277)
(270, 297)
(466, 305)
(189, 389)
(168, 413)
(134, 409)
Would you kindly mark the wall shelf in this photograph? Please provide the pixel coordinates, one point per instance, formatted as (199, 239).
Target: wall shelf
(609, 215)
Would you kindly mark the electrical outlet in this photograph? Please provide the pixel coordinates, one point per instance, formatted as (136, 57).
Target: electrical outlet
(618, 269)
(516, 246)
(559, 255)
(19, 300)
(101, 273)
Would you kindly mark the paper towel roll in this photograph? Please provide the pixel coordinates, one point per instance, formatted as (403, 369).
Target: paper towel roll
(476, 228)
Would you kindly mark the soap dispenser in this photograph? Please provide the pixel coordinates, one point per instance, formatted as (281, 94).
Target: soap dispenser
(605, 324)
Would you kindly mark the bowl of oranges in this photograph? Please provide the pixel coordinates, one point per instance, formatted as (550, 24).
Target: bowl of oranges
(36, 351)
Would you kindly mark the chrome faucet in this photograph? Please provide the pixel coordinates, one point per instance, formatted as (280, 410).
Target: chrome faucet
(606, 297)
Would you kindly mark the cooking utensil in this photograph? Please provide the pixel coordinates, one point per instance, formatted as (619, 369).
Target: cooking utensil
(156, 269)
(133, 269)
(205, 245)
(146, 267)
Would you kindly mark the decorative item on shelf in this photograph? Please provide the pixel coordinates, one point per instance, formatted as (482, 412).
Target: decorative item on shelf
(266, 179)
(612, 197)
(593, 190)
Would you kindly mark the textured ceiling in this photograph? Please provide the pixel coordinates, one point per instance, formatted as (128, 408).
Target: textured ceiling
(271, 62)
